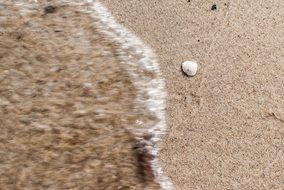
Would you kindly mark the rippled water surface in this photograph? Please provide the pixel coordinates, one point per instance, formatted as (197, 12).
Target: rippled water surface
(81, 103)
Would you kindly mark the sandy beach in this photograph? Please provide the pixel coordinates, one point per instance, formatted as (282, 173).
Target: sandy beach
(82, 99)
(226, 124)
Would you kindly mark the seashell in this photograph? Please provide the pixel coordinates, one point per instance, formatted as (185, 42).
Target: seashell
(189, 68)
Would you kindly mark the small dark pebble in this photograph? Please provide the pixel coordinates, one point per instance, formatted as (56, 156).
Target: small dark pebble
(49, 9)
(148, 136)
(214, 7)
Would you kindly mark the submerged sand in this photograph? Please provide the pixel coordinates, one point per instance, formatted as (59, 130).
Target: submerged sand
(67, 104)
(226, 125)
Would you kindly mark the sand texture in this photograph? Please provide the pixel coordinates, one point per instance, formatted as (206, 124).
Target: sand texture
(225, 125)
(66, 105)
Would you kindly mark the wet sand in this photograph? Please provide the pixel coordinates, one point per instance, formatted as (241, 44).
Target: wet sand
(67, 104)
(226, 124)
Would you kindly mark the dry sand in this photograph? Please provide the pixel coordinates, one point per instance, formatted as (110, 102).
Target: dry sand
(226, 125)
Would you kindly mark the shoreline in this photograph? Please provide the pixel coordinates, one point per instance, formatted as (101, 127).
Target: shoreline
(133, 55)
(225, 124)
(152, 87)
(145, 77)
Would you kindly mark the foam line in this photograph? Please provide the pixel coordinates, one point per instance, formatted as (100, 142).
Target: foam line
(134, 52)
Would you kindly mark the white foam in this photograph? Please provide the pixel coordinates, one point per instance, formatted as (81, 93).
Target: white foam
(135, 53)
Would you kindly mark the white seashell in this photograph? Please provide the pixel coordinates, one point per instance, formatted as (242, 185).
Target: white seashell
(189, 68)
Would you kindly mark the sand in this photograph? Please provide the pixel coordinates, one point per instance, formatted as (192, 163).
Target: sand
(225, 125)
(67, 104)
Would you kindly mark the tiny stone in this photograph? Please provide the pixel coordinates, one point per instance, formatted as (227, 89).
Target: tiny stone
(41, 126)
(147, 136)
(87, 85)
(214, 7)
(189, 68)
(55, 69)
(80, 113)
(49, 9)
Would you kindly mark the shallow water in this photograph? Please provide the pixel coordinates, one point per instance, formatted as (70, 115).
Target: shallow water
(85, 88)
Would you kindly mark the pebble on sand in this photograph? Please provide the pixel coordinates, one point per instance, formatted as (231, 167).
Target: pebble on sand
(49, 9)
(189, 68)
(214, 7)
